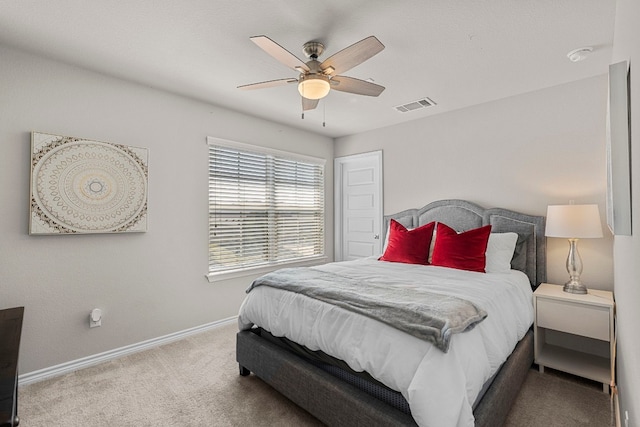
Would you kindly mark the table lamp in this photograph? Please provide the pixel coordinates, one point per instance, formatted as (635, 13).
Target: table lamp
(573, 222)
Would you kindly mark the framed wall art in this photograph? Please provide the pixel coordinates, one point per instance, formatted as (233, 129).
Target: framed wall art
(618, 150)
(79, 186)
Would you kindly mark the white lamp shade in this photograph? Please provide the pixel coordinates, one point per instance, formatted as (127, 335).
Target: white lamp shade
(314, 86)
(573, 221)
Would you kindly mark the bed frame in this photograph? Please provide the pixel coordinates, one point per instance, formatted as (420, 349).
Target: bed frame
(337, 403)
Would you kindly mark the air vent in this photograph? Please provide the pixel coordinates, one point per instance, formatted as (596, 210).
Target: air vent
(415, 105)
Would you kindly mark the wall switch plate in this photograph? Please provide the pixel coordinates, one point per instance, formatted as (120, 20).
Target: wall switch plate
(95, 318)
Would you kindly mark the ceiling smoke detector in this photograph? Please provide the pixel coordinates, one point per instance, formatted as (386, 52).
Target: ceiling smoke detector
(579, 54)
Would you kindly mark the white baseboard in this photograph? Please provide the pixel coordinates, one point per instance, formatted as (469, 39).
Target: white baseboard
(616, 402)
(74, 365)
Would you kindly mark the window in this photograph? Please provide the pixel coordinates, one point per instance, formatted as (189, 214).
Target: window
(265, 207)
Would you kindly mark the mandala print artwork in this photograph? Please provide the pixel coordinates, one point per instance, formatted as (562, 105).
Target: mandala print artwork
(81, 186)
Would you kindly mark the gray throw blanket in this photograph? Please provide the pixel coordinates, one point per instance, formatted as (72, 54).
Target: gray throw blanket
(427, 315)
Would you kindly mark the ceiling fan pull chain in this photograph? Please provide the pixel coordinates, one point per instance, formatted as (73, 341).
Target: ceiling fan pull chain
(303, 104)
(324, 114)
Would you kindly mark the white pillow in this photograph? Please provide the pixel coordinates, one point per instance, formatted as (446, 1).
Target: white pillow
(500, 250)
(433, 243)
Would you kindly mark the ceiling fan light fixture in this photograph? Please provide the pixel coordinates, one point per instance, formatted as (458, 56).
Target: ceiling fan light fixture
(314, 86)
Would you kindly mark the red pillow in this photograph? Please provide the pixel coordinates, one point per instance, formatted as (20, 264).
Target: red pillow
(408, 246)
(464, 251)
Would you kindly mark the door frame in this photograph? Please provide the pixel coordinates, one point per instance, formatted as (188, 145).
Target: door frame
(338, 165)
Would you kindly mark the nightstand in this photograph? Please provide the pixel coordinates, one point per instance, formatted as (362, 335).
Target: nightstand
(575, 333)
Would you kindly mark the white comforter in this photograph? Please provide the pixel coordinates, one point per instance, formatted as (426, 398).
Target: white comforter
(439, 387)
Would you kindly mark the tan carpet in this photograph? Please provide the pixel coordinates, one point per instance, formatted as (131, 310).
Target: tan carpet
(555, 399)
(195, 382)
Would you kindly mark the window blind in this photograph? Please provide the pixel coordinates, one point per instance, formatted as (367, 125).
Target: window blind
(264, 208)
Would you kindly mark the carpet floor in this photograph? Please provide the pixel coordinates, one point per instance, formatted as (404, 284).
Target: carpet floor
(195, 382)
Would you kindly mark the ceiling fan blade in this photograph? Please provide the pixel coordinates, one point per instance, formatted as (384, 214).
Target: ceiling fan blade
(270, 83)
(278, 52)
(357, 86)
(351, 56)
(309, 104)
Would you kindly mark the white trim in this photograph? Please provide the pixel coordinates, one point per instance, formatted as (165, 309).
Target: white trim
(85, 362)
(262, 269)
(616, 401)
(211, 140)
(338, 164)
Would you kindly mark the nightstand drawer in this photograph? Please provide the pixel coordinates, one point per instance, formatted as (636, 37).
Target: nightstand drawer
(579, 319)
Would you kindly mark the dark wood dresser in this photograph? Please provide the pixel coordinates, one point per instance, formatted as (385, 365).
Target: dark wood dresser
(10, 331)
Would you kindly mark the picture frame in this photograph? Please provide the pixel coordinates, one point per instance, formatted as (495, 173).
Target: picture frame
(81, 186)
(618, 151)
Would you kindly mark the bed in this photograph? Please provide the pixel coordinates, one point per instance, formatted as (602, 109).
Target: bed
(311, 370)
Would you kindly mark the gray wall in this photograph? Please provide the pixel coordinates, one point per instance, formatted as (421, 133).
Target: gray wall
(524, 153)
(148, 284)
(626, 47)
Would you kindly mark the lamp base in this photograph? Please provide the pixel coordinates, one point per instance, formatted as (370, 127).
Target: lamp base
(574, 287)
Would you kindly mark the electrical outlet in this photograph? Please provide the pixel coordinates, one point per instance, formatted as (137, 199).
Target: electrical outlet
(95, 318)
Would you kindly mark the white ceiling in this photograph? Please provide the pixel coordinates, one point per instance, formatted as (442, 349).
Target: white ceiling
(456, 52)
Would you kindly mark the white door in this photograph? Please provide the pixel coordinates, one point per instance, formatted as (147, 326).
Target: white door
(358, 204)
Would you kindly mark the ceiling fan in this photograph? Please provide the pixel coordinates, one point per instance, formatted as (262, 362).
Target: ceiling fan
(316, 78)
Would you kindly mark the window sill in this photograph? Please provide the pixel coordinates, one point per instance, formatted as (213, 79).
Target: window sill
(257, 271)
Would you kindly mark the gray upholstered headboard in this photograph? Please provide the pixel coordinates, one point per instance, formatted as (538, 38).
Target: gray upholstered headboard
(530, 253)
